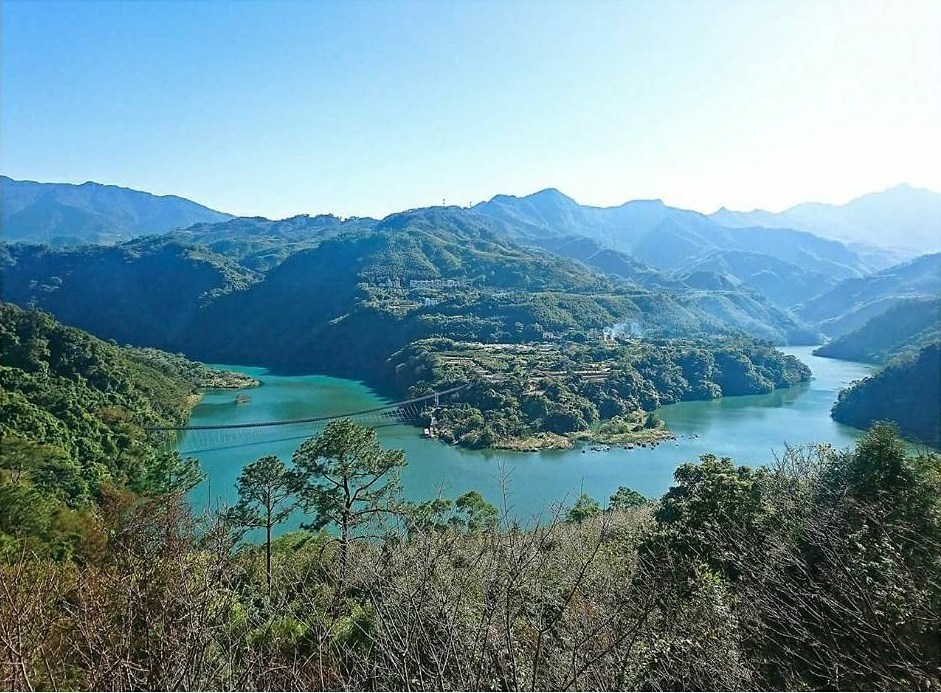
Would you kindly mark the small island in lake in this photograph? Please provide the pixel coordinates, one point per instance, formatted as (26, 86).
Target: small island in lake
(530, 397)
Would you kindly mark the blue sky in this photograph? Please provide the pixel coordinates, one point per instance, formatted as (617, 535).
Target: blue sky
(366, 108)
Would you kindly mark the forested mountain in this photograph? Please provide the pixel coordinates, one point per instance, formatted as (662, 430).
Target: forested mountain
(62, 214)
(415, 277)
(64, 388)
(260, 244)
(903, 217)
(146, 292)
(550, 349)
(526, 397)
(851, 303)
(419, 274)
(906, 326)
(643, 241)
(682, 238)
(608, 261)
(73, 412)
(907, 391)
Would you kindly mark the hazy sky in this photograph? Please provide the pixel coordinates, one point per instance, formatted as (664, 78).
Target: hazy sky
(278, 109)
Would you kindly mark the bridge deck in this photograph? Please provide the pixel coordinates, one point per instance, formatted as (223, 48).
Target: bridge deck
(394, 406)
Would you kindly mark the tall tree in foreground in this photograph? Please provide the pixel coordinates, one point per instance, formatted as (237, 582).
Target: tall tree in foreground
(265, 500)
(345, 478)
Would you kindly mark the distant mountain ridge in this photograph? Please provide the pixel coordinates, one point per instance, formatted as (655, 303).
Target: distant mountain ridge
(260, 244)
(62, 214)
(645, 242)
(902, 216)
(791, 263)
(851, 303)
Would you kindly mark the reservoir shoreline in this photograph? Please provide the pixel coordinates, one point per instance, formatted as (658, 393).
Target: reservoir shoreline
(750, 429)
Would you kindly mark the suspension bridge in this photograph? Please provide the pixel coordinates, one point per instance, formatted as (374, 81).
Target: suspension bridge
(210, 437)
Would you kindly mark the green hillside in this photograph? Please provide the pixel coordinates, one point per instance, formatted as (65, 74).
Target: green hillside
(260, 244)
(73, 412)
(535, 396)
(348, 304)
(906, 326)
(907, 391)
(786, 284)
(360, 296)
(146, 292)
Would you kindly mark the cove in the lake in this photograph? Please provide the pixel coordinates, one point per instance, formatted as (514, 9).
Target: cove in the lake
(751, 430)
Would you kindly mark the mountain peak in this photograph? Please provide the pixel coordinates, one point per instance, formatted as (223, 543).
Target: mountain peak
(550, 195)
(644, 202)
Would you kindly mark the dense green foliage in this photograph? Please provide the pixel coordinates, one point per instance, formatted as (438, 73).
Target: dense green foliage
(818, 573)
(344, 478)
(907, 391)
(626, 498)
(193, 372)
(64, 388)
(266, 499)
(354, 303)
(72, 416)
(821, 572)
(906, 326)
(518, 391)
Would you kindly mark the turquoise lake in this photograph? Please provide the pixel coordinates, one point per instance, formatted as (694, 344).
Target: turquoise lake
(749, 429)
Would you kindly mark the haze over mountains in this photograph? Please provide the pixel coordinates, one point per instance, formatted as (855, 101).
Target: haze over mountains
(682, 242)
(901, 217)
(853, 302)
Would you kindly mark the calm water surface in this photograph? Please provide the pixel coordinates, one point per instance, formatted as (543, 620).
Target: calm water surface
(749, 429)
